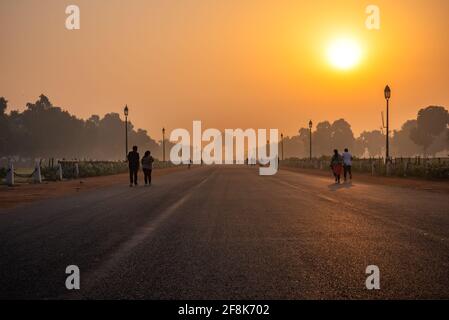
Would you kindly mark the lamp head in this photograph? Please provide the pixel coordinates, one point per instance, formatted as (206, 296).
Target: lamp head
(387, 92)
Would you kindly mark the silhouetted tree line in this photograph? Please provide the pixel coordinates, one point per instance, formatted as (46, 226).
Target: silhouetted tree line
(44, 130)
(427, 135)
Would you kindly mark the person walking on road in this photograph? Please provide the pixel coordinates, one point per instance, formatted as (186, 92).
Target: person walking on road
(147, 167)
(336, 165)
(133, 164)
(347, 164)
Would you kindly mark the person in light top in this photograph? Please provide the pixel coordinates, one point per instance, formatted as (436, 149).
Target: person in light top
(347, 164)
(147, 166)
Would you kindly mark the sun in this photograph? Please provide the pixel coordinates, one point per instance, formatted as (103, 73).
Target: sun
(344, 53)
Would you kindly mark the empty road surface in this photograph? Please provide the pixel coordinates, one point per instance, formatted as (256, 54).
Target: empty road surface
(228, 233)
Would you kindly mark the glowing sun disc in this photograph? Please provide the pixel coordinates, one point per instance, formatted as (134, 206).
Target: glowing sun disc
(344, 54)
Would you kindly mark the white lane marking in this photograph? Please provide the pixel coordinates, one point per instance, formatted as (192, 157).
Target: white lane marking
(140, 235)
(327, 198)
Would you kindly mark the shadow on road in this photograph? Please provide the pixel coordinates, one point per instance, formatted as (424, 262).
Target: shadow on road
(336, 187)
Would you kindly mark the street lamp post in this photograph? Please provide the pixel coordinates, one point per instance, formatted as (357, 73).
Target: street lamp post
(310, 138)
(126, 112)
(282, 146)
(163, 144)
(268, 146)
(387, 94)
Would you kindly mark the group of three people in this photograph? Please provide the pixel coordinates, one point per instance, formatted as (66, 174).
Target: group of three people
(134, 165)
(341, 162)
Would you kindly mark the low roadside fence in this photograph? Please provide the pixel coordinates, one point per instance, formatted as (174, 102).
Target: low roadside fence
(427, 168)
(67, 169)
(10, 174)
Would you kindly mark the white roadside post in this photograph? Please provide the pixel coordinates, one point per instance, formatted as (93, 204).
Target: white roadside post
(388, 169)
(77, 171)
(37, 177)
(59, 171)
(405, 167)
(10, 175)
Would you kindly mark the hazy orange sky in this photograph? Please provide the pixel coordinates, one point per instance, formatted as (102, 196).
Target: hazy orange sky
(248, 63)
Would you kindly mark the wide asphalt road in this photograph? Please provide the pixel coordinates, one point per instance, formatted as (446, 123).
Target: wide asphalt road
(228, 233)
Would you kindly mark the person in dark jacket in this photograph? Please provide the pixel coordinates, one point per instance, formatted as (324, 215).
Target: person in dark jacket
(133, 163)
(147, 166)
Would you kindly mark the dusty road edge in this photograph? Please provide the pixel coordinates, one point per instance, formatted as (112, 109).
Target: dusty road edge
(410, 183)
(20, 194)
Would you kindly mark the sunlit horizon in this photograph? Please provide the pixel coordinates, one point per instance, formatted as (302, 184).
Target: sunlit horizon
(255, 65)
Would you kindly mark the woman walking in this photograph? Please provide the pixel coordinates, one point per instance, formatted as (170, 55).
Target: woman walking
(147, 166)
(337, 165)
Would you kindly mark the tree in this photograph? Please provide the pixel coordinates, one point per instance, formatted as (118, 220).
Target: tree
(3, 106)
(440, 143)
(42, 104)
(293, 147)
(142, 139)
(304, 138)
(447, 139)
(373, 142)
(112, 137)
(431, 122)
(322, 139)
(342, 136)
(359, 149)
(402, 145)
(44, 130)
(4, 128)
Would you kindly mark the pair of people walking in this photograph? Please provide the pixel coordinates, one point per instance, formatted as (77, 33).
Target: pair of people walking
(134, 164)
(341, 163)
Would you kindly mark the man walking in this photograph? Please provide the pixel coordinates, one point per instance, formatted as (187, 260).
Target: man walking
(347, 164)
(133, 163)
